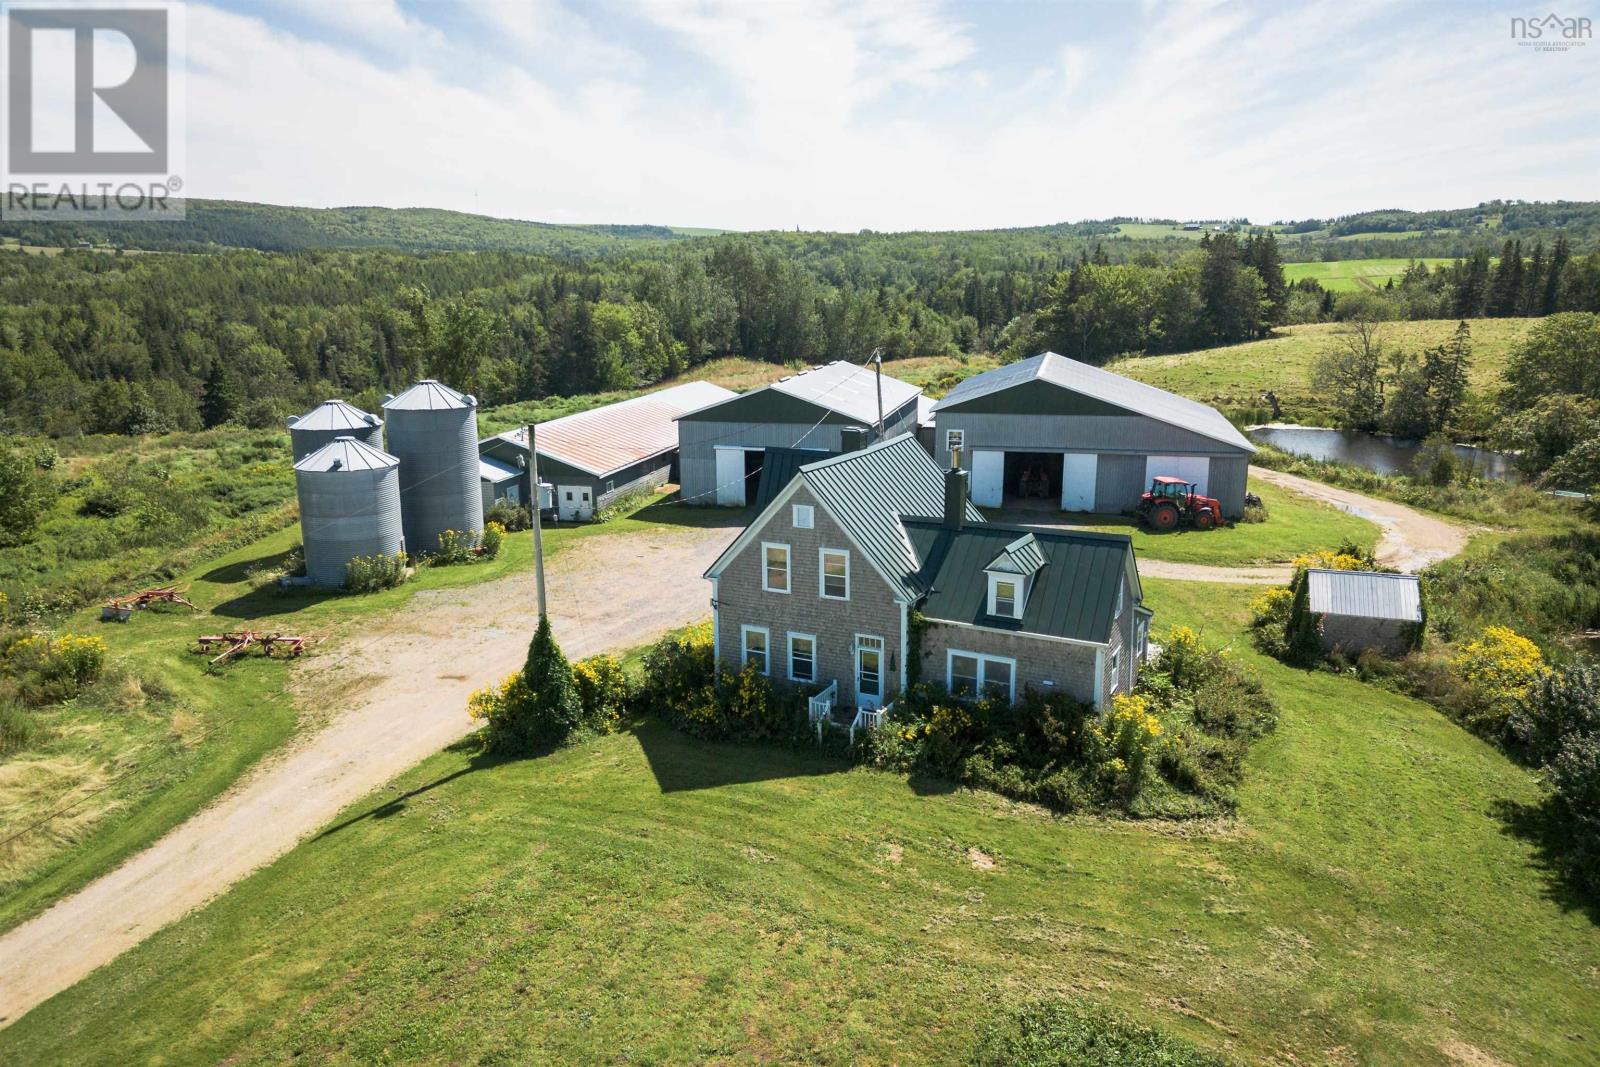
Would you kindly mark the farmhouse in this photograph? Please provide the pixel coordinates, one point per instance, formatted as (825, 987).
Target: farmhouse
(820, 589)
(1362, 610)
(596, 456)
(1084, 439)
(723, 445)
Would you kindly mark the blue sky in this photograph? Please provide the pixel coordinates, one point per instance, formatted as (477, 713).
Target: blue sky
(884, 114)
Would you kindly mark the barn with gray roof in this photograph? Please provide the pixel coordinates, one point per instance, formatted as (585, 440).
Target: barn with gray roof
(1052, 431)
(723, 446)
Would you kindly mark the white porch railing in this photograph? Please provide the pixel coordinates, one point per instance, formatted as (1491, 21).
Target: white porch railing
(821, 706)
(869, 720)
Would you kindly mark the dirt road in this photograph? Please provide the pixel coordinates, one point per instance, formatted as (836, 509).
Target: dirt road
(405, 683)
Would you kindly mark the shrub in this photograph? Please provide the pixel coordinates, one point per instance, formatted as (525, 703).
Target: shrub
(512, 517)
(1574, 775)
(1124, 740)
(1499, 668)
(1254, 513)
(1070, 1033)
(455, 546)
(18, 728)
(26, 494)
(535, 709)
(1269, 620)
(678, 670)
(51, 670)
(1562, 704)
(368, 574)
(490, 540)
(603, 691)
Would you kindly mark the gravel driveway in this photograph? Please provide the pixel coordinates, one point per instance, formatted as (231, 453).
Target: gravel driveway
(404, 682)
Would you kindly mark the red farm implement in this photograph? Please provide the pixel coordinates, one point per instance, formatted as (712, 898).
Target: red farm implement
(119, 608)
(238, 642)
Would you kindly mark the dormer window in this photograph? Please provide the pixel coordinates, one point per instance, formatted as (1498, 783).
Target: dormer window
(1005, 596)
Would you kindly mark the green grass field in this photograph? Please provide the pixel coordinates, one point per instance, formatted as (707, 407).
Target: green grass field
(1233, 378)
(1348, 275)
(647, 898)
(1295, 524)
(129, 777)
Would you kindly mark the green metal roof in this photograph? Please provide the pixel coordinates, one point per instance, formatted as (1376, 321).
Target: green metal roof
(1073, 594)
(780, 465)
(868, 491)
(1023, 556)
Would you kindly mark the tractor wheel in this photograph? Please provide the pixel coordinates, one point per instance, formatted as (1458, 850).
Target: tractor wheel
(1163, 517)
(1204, 519)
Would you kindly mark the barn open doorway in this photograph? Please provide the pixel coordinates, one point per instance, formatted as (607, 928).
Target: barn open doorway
(753, 459)
(1033, 480)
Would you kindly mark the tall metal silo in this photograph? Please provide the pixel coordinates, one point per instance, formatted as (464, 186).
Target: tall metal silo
(349, 506)
(329, 420)
(433, 431)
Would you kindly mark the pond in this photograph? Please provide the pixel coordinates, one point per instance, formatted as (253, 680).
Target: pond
(1375, 452)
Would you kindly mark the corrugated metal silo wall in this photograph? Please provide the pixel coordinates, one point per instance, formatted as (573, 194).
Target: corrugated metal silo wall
(347, 513)
(305, 442)
(438, 454)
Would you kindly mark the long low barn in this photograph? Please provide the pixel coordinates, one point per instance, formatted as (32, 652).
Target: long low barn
(1086, 439)
(724, 444)
(596, 456)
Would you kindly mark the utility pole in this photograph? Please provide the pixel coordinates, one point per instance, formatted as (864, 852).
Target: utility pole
(877, 362)
(538, 525)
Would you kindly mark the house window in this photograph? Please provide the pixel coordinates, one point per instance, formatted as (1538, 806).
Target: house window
(1005, 596)
(835, 574)
(1116, 672)
(754, 641)
(611, 486)
(969, 673)
(774, 567)
(1121, 588)
(804, 516)
(802, 657)
(953, 440)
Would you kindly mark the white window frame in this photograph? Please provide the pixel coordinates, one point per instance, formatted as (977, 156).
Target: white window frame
(766, 647)
(804, 516)
(1122, 589)
(1018, 600)
(806, 637)
(954, 440)
(788, 567)
(1116, 669)
(611, 485)
(822, 572)
(983, 671)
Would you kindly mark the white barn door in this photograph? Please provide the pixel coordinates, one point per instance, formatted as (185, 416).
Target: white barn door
(988, 477)
(730, 476)
(1078, 471)
(1196, 469)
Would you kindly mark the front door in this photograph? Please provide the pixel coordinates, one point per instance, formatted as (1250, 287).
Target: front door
(869, 672)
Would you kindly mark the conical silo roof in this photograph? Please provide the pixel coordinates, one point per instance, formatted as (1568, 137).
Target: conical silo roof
(335, 415)
(429, 395)
(346, 454)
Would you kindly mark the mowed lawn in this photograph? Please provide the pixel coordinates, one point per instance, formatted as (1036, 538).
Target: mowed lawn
(648, 898)
(1233, 378)
(1295, 524)
(1348, 275)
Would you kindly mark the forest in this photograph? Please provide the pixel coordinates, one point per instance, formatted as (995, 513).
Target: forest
(115, 341)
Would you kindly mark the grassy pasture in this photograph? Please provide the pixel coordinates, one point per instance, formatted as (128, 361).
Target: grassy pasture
(1348, 275)
(1233, 378)
(647, 898)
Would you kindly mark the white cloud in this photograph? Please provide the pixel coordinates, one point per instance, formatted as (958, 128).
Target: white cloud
(883, 115)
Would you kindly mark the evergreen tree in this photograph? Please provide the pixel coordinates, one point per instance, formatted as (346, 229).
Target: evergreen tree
(1505, 291)
(1533, 280)
(221, 400)
(1550, 299)
(1471, 281)
(1261, 252)
(542, 707)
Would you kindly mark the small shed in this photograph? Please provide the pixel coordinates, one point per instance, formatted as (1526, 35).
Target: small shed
(594, 457)
(1361, 610)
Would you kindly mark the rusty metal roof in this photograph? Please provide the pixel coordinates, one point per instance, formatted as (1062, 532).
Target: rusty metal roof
(606, 439)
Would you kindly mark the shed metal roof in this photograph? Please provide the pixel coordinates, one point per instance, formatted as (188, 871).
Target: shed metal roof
(335, 415)
(868, 492)
(1073, 595)
(780, 465)
(839, 387)
(429, 395)
(346, 454)
(924, 410)
(1365, 594)
(1136, 398)
(606, 439)
(496, 471)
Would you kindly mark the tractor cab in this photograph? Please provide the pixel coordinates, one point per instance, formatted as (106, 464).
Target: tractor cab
(1172, 502)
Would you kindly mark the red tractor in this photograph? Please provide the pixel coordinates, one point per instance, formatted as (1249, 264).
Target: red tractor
(1172, 502)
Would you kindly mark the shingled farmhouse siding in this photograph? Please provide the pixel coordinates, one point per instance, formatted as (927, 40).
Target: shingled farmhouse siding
(871, 609)
(1049, 666)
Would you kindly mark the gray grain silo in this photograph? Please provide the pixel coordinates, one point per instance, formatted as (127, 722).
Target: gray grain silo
(349, 506)
(329, 420)
(433, 432)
